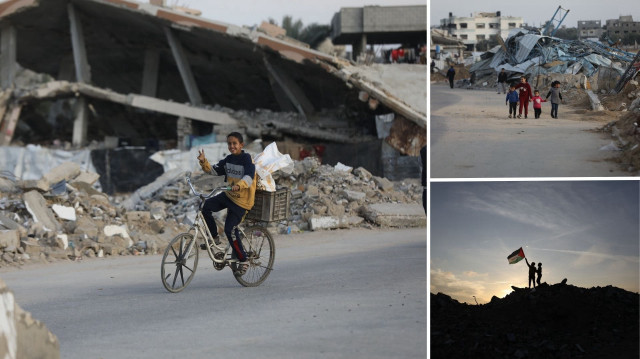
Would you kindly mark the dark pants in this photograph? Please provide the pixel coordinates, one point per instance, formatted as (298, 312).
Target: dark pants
(235, 214)
(537, 112)
(538, 280)
(451, 82)
(424, 199)
(513, 107)
(532, 280)
(554, 110)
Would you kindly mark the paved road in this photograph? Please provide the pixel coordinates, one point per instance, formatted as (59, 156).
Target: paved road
(471, 137)
(333, 294)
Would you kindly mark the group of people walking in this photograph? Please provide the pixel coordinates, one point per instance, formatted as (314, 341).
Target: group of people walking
(521, 94)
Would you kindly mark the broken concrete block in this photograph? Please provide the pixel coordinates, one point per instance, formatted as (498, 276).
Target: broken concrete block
(362, 173)
(8, 223)
(354, 196)
(9, 238)
(395, 214)
(86, 177)
(119, 231)
(333, 222)
(595, 101)
(37, 207)
(64, 212)
(65, 171)
(383, 183)
(23, 336)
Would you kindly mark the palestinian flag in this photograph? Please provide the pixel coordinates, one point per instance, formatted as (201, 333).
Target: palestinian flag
(516, 256)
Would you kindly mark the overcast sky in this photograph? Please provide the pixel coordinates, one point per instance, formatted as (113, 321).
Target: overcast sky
(585, 231)
(537, 12)
(253, 12)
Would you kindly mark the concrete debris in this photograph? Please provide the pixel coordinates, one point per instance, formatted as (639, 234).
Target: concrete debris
(22, 335)
(82, 222)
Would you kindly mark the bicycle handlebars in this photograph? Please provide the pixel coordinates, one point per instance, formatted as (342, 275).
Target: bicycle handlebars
(206, 196)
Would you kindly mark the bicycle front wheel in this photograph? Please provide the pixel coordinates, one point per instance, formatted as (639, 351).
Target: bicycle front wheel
(179, 262)
(261, 252)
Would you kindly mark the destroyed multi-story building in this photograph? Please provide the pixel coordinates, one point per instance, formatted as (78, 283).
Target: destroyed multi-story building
(589, 29)
(621, 26)
(480, 26)
(120, 72)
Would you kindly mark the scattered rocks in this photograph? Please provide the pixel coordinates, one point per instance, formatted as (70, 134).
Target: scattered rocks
(63, 216)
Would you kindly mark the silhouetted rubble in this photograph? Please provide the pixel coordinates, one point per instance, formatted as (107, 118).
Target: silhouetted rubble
(553, 321)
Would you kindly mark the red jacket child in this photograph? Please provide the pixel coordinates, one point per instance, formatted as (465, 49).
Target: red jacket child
(537, 100)
(525, 95)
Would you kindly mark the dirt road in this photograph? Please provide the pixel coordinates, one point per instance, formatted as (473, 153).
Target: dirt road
(472, 137)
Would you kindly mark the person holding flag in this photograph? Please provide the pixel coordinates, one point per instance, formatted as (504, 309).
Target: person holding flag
(516, 257)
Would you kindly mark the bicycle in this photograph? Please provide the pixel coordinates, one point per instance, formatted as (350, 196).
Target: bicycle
(180, 259)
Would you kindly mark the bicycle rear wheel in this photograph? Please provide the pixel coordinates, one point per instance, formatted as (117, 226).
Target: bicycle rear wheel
(178, 265)
(261, 251)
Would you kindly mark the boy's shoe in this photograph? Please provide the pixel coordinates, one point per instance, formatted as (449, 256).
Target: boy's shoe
(216, 239)
(241, 269)
(509, 116)
(519, 116)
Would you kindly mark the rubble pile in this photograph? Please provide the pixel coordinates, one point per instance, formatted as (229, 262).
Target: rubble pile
(63, 216)
(554, 321)
(531, 54)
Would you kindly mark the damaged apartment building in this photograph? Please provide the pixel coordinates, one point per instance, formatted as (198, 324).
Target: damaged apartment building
(118, 73)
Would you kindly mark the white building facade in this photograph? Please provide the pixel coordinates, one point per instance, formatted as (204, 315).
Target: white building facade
(480, 26)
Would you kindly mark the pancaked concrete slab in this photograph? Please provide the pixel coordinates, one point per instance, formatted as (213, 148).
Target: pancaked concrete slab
(395, 214)
(37, 207)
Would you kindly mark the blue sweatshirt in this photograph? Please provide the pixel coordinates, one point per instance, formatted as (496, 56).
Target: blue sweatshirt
(512, 96)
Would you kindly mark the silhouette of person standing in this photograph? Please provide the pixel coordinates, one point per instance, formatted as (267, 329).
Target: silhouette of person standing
(532, 273)
(539, 271)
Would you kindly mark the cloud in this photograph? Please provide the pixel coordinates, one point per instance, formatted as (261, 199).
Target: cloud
(473, 274)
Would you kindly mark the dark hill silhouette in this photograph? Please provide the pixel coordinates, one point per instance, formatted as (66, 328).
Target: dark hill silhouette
(557, 321)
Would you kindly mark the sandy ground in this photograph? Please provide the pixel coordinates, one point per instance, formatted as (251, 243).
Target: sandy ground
(472, 137)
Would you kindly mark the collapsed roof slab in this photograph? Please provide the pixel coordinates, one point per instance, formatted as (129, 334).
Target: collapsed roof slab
(58, 89)
(128, 51)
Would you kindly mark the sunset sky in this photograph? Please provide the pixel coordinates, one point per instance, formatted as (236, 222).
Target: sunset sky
(585, 231)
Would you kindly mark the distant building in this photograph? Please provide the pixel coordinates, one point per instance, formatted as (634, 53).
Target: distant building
(480, 26)
(589, 29)
(622, 26)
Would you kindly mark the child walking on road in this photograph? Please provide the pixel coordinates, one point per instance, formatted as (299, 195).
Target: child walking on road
(525, 96)
(512, 101)
(556, 98)
(537, 104)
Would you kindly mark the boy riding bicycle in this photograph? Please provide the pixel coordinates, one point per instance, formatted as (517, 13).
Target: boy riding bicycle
(240, 173)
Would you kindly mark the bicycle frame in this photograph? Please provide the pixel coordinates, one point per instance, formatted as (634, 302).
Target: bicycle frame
(180, 258)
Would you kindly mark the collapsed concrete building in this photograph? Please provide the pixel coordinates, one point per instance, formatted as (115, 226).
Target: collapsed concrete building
(540, 58)
(123, 73)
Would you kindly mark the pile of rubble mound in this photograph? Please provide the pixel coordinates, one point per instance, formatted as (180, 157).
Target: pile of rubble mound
(625, 131)
(63, 216)
(552, 321)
